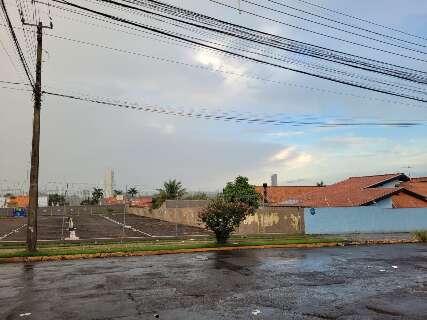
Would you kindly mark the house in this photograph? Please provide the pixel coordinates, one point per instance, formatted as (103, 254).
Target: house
(274, 195)
(418, 185)
(387, 191)
(142, 202)
(23, 201)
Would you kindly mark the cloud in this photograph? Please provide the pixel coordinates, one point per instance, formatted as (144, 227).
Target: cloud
(163, 128)
(352, 140)
(290, 157)
(284, 134)
(216, 62)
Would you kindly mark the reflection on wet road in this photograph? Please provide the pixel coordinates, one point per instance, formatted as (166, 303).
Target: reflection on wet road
(367, 282)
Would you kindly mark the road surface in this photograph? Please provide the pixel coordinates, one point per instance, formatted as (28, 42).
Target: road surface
(365, 282)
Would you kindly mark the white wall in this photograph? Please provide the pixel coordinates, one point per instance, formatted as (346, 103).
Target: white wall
(2, 202)
(363, 220)
(42, 201)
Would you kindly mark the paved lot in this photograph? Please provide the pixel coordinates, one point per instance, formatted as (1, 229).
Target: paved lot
(95, 226)
(329, 283)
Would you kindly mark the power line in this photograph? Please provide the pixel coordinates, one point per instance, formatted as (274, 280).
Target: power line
(323, 34)
(192, 46)
(173, 61)
(275, 57)
(360, 19)
(362, 65)
(227, 117)
(335, 21)
(10, 58)
(243, 56)
(17, 45)
(264, 38)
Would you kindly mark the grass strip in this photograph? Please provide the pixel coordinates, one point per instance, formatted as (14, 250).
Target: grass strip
(58, 251)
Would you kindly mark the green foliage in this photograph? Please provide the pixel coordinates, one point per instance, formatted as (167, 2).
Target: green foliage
(117, 192)
(320, 184)
(241, 191)
(97, 195)
(132, 192)
(421, 235)
(56, 200)
(197, 196)
(223, 217)
(88, 202)
(172, 190)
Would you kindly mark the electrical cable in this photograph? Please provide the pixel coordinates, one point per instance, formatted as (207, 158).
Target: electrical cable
(360, 19)
(243, 56)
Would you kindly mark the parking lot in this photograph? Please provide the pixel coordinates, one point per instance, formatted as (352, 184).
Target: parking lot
(54, 226)
(343, 283)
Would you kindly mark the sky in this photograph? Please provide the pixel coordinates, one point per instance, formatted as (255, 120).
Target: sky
(80, 140)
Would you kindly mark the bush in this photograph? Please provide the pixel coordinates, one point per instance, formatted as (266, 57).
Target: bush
(241, 191)
(223, 217)
(421, 235)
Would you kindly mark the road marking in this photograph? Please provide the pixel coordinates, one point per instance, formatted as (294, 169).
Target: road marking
(13, 231)
(127, 226)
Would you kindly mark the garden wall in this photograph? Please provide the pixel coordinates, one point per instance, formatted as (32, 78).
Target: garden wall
(266, 220)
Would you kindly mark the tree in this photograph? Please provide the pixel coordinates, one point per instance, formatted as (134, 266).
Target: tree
(117, 192)
(223, 217)
(197, 196)
(132, 192)
(320, 184)
(97, 195)
(172, 190)
(241, 191)
(56, 200)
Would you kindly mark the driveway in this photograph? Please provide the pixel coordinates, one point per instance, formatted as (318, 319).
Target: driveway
(365, 282)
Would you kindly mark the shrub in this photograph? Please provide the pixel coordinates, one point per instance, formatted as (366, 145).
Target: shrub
(421, 235)
(241, 191)
(223, 217)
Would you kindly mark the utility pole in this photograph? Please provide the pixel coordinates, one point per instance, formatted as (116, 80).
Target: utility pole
(35, 146)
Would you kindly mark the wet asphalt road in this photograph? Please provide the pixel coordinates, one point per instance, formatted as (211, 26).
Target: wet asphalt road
(328, 283)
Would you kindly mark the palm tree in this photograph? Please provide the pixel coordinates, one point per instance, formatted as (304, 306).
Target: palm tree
(132, 192)
(97, 194)
(172, 189)
(117, 192)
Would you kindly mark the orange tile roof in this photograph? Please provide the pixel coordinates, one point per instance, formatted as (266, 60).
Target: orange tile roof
(282, 194)
(354, 191)
(417, 185)
(142, 201)
(18, 201)
(405, 200)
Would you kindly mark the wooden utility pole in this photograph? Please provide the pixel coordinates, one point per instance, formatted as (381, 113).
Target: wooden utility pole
(35, 146)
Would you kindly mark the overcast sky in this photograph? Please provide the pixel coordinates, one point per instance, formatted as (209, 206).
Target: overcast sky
(79, 140)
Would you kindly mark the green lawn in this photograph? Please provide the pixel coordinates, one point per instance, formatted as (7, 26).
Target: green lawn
(73, 249)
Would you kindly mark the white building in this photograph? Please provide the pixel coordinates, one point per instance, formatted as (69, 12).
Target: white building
(108, 182)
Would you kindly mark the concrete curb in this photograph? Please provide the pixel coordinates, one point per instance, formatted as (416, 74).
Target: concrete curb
(182, 251)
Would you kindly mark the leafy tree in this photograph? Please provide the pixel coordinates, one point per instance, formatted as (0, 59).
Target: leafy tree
(87, 202)
(132, 192)
(97, 195)
(117, 192)
(223, 217)
(56, 200)
(241, 191)
(320, 184)
(197, 196)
